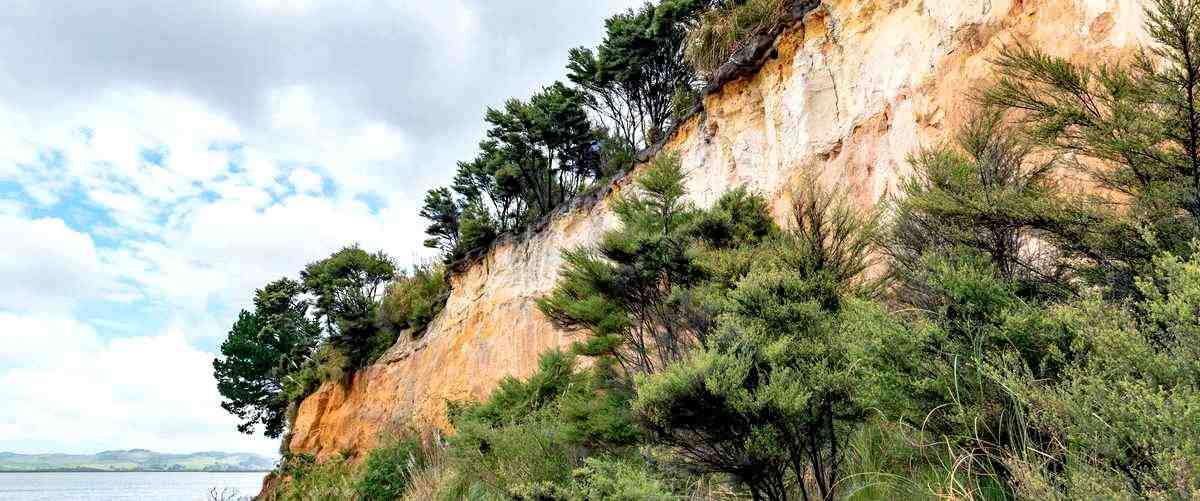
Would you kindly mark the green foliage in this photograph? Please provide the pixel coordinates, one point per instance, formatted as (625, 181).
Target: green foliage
(631, 79)
(445, 215)
(348, 287)
(723, 30)
(790, 374)
(514, 441)
(389, 469)
(312, 481)
(1124, 418)
(327, 364)
(537, 155)
(603, 478)
(986, 193)
(644, 295)
(514, 398)
(739, 217)
(619, 480)
(1135, 128)
(413, 299)
(478, 229)
(263, 350)
(529, 435)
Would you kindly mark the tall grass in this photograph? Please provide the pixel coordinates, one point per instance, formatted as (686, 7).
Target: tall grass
(309, 481)
(722, 31)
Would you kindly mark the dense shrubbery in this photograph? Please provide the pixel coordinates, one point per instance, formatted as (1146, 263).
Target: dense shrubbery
(388, 470)
(413, 299)
(383, 476)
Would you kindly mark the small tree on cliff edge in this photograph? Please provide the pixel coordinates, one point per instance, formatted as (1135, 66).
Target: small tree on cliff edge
(263, 348)
(348, 287)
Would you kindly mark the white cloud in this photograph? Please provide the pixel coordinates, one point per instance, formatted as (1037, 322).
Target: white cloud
(70, 391)
(305, 181)
(40, 340)
(47, 266)
(265, 97)
(223, 251)
(11, 208)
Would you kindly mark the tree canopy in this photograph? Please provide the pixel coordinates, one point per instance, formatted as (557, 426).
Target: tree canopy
(264, 348)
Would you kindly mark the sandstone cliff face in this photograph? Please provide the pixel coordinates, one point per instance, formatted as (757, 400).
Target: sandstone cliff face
(855, 87)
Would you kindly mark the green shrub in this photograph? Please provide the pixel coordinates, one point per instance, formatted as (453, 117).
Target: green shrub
(1124, 420)
(328, 364)
(312, 481)
(413, 299)
(509, 458)
(388, 469)
(603, 478)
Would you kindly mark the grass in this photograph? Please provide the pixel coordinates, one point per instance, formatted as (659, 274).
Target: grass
(724, 30)
(310, 481)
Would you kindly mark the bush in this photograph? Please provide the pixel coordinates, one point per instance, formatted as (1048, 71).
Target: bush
(389, 469)
(412, 300)
(1123, 421)
(310, 481)
(328, 364)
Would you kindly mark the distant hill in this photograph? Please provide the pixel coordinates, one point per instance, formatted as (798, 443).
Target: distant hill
(135, 460)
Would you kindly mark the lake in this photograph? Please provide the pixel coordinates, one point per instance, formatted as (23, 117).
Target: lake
(149, 486)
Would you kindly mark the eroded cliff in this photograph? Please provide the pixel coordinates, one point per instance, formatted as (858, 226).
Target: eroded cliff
(849, 92)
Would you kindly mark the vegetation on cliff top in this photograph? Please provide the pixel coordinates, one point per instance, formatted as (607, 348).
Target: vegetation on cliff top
(345, 312)
(626, 94)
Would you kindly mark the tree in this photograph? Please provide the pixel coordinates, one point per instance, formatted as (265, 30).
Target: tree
(264, 347)
(790, 372)
(541, 139)
(444, 214)
(619, 293)
(478, 229)
(987, 192)
(631, 78)
(1136, 128)
(348, 287)
(493, 176)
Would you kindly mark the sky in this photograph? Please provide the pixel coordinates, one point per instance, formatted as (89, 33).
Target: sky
(161, 160)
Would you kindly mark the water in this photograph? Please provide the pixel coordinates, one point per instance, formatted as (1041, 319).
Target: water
(141, 486)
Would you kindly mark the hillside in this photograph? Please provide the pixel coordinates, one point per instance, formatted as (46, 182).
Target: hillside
(846, 94)
(135, 460)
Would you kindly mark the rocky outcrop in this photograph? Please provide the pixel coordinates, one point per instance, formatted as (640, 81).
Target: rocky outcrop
(845, 95)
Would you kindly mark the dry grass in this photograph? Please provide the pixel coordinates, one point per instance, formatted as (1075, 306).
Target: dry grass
(432, 481)
(723, 31)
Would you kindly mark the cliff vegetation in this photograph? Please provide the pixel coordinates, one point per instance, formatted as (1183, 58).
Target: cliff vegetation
(987, 331)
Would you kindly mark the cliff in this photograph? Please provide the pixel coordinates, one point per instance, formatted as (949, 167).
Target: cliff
(845, 95)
